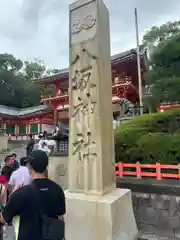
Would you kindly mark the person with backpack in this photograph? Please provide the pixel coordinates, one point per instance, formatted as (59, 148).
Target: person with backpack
(40, 205)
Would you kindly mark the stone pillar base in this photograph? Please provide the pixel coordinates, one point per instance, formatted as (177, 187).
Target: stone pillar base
(108, 217)
(58, 170)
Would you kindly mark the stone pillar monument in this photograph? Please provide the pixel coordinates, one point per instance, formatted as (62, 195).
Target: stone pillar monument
(96, 210)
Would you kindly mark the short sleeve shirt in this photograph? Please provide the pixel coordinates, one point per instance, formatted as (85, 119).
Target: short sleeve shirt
(20, 177)
(24, 203)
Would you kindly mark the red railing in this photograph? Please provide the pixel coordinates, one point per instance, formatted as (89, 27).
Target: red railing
(139, 170)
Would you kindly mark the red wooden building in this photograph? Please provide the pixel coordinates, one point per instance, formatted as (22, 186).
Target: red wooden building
(20, 122)
(124, 84)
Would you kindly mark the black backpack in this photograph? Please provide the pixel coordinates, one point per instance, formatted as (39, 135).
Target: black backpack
(51, 228)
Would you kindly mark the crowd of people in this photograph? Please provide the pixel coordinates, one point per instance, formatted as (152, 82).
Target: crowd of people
(47, 142)
(41, 142)
(29, 201)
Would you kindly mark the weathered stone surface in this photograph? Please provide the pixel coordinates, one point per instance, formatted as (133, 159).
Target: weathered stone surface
(91, 147)
(108, 217)
(58, 170)
(96, 210)
(157, 214)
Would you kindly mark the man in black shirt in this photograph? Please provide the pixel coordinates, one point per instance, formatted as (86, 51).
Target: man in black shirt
(8, 169)
(15, 164)
(30, 145)
(25, 204)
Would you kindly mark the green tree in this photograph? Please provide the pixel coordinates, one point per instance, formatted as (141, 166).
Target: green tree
(149, 138)
(164, 75)
(9, 63)
(19, 81)
(159, 34)
(10, 80)
(34, 70)
(18, 87)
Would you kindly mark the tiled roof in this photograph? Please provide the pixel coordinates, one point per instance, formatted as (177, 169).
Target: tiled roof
(115, 57)
(63, 71)
(4, 110)
(127, 53)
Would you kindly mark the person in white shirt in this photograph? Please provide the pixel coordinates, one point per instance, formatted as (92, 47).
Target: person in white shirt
(20, 177)
(51, 144)
(43, 146)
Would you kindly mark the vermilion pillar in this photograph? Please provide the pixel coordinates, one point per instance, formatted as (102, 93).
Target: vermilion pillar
(55, 117)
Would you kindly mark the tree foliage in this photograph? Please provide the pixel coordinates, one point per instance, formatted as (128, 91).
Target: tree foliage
(18, 81)
(164, 50)
(149, 138)
(34, 70)
(159, 34)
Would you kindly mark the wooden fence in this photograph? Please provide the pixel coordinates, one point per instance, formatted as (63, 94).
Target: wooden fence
(158, 171)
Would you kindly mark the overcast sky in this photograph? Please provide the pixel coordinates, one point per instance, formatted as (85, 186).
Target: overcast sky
(39, 28)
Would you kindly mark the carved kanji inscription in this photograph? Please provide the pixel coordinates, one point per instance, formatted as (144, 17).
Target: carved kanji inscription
(84, 147)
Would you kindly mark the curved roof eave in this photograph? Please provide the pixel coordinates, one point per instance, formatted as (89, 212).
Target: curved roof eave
(117, 58)
(15, 112)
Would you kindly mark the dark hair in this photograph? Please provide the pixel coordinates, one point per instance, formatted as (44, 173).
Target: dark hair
(30, 135)
(7, 158)
(14, 155)
(38, 160)
(44, 133)
(23, 161)
(40, 136)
